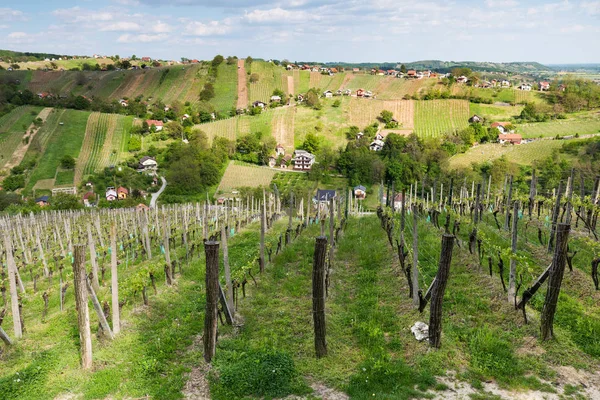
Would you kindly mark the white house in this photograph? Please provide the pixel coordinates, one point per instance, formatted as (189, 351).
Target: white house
(505, 84)
(462, 79)
(111, 194)
(328, 94)
(544, 86)
(525, 86)
(279, 150)
(275, 98)
(158, 124)
(376, 145)
(303, 160)
(147, 164)
(259, 104)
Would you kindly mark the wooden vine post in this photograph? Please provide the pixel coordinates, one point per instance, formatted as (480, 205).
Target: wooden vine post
(415, 262)
(512, 275)
(211, 250)
(12, 279)
(81, 304)
(438, 290)
(508, 201)
(227, 269)
(555, 278)
(116, 318)
(318, 291)
(555, 213)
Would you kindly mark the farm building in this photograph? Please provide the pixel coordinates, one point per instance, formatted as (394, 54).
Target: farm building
(510, 138)
(462, 79)
(324, 195)
(42, 201)
(376, 145)
(279, 150)
(157, 124)
(525, 86)
(303, 160)
(360, 93)
(360, 192)
(475, 119)
(275, 98)
(259, 104)
(328, 94)
(122, 193)
(544, 86)
(111, 194)
(147, 164)
(501, 126)
(347, 92)
(88, 199)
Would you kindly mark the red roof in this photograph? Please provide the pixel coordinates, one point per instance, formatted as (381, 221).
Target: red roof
(511, 137)
(411, 72)
(121, 189)
(502, 124)
(154, 122)
(88, 195)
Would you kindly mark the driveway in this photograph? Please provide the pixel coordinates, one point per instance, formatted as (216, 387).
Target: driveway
(155, 195)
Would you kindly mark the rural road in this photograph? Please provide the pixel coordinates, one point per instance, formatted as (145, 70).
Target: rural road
(155, 195)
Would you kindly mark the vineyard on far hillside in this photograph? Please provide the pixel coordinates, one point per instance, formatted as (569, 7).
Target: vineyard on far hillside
(225, 87)
(269, 79)
(436, 117)
(584, 125)
(238, 175)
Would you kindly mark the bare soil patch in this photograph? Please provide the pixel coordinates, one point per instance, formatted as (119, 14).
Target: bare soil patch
(20, 151)
(242, 100)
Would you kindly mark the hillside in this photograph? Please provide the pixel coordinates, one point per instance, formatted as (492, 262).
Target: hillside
(447, 66)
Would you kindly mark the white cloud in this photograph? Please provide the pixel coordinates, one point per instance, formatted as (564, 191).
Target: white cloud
(573, 29)
(211, 28)
(591, 7)
(9, 14)
(17, 35)
(279, 15)
(501, 3)
(143, 38)
(123, 26)
(127, 2)
(79, 15)
(161, 27)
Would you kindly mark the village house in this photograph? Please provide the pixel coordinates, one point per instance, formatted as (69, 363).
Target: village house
(328, 94)
(303, 160)
(376, 145)
(347, 92)
(360, 93)
(475, 119)
(285, 161)
(88, 199)
(259, 104)
(185, 116)
(525, 86)
(157, 124)
(279, 150)
(462, 79)
(505, 84)
(510, 138)
(123, 103)
(411, 73)
(122, 193)
(398, 199)
(501, 126)
(324, 195)
(359, 135)
(275, 98)
(42, 201)
(146, 59)
(272, 161)
(355, 70)
(300, 98)
(147, 164)
(360, 192)
(142, 207)
(111, 194)
(368, 93)
(544, 86)
(289, 67)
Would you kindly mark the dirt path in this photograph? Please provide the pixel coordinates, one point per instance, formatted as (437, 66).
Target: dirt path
(20, 151)
(290, 85)
(283, 128)
(242, 101)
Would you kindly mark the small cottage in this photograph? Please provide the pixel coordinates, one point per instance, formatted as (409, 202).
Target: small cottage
(360, 192)
(122, 193)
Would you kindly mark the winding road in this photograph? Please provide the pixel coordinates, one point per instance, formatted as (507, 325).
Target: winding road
(155, 195)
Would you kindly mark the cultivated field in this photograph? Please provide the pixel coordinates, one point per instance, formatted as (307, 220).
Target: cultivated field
(492, 112)
(242, 86)
(57, 141)
(523, 154)
(12, 128)
(362, 112)
(226, 88)
(562, 127)
(239, 175)
(283, 126)
(269, 79)
(435, 117)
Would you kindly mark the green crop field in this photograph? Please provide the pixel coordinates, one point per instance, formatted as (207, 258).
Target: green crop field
(269, 79)
(225, 88)
(64, 178)
(61, 140)
(238, 175)
(562, 127)
(523, 154)
(435, 117)
(97, 147)
(492, 112)
(301, 81)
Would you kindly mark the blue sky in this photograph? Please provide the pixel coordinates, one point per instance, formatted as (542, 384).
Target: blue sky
(310, 30)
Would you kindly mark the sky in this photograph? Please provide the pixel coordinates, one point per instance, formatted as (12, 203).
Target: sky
(550, 32)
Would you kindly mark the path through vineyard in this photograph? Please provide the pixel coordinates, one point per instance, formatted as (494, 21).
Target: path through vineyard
(242, 100)
(20, 151)
(283, 127)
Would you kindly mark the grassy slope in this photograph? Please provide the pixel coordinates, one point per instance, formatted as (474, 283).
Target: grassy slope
(493, 112)
(434, 117)
(225, 88)
(11, 129)
(583, 124)
(269, 80)
(63, 139)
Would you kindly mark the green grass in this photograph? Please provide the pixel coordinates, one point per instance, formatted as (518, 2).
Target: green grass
(62, 140)
(269, 80)
(65, 178)
(436, 117)
(225, 87)
(494, 112)
(584, 125)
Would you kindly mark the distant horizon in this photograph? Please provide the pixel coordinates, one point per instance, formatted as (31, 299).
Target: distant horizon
(553, 32)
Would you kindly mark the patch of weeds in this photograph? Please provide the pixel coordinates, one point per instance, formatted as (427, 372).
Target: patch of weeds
(263, 373)
(391, 379)
(484, 396)
(493, 356)
(28, 383)
(570, 390)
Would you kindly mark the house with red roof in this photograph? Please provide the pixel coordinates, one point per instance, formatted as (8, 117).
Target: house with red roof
(544, 86)
(502, 126)
(158, 124)
(510, 138)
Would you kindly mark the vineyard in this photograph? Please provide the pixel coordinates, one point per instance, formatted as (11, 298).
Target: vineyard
(283, 127)
(55, 141)
(12, 128)
(494, 112)
(362, 112)
(524, 154)
(269, 79)
(225, 88)
(238, 175)
(563, 127)
(133, 303)
(436, 117)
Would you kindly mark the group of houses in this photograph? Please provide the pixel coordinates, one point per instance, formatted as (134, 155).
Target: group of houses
(506, 134)
(543, 86)
(301, 160)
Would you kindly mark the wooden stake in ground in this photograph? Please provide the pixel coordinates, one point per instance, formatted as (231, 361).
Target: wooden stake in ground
(415, 268)
(555, 280)
(81, 304)
(211, 250)
(95, 282)
(261, 257)
(508, 201)
(512, 275)
(227, 269)
(116, 319)
(555, 214)
(318, 283)
(12, 279)
(437, 291)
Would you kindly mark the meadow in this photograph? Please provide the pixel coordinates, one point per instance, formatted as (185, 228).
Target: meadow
(238, 175)
(584, 124)
(12, 128)
(436, 117)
